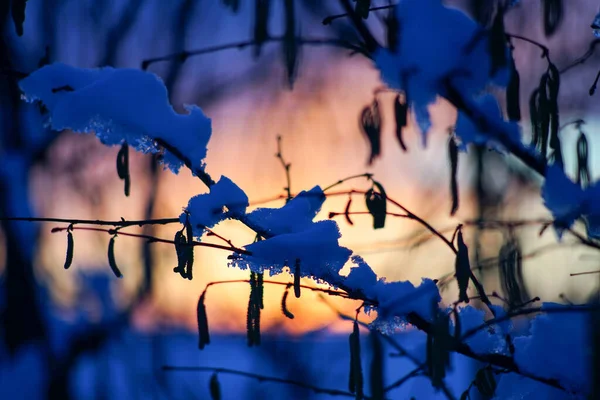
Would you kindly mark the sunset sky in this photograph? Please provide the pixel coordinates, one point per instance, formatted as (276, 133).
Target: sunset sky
(318, 122)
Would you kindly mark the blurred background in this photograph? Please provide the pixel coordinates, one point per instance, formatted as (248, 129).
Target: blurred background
(84, 334)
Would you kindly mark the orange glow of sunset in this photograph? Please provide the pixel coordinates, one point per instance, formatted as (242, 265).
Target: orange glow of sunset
(318, 122)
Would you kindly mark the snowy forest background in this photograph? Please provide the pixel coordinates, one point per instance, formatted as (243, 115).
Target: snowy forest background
(84, 334)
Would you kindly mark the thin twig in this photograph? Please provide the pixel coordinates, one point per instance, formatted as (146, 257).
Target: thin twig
(154, 239)
(312, 288)
(262, 378)
(121, 223)
(584, 273)
(286, 166)
(582, 59)
(329, 19)
(527, 311)
(339, 182)
(184, 55)
(545, 50)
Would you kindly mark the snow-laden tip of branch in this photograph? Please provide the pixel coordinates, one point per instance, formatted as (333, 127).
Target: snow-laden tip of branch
(395, 299)
(449, 44)
(120, 105)
(225, 200)
(568, 201)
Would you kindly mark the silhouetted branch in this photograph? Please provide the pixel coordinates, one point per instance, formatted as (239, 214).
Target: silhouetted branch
(262, 378)
(154, 239)
(544, 309)
(184, 55)
(545, 50)
(312, 288)
(122, 223)
(286, 166)
(583, 58)
(329, 19)
(339, 182)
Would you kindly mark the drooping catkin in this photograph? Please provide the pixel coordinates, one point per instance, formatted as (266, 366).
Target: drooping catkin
(462, 268)
(284, 308)
(112, 262)
(453, 156)
(355, 382)
(189, 250)
(203, 332)
(297, 292)
(214, 387)
(180, 241)
(253, 314)
(376, 373)
(70, 249)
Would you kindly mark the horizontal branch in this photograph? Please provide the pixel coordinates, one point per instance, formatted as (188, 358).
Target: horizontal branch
(262, 378)
(312, 288)
(122, 223)
(527, 311)
(184, 55)
(154, 239)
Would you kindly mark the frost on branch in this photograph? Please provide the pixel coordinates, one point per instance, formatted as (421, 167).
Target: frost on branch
(450, 45)
(568, 202)
(225, 200)
(120, 105)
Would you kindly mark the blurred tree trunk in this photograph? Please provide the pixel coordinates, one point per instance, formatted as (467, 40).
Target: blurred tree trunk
(22, 316)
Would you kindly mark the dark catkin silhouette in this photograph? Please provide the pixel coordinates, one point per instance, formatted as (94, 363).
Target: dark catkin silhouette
(355, 381)
(401, 116)
(370, 123)
(284, 308)
(18, 14)
(189, 250)
(376, 202)
(554, 121)
(511, 272)
(583, 169)
(453, 157)
(362, 8)
(261, 21)
(112, 262)
(534, 117)
(70, 249)
(253, 314)
(202, 319)
(392, 30)
(297, 289)
(180, 249)
(123, 167)
(214, 387)
(438, 348)
(485, 382)
(513, 98)
(552, 16)
(290, 44)
(462, 268)
(497, 43)
(376, 374)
